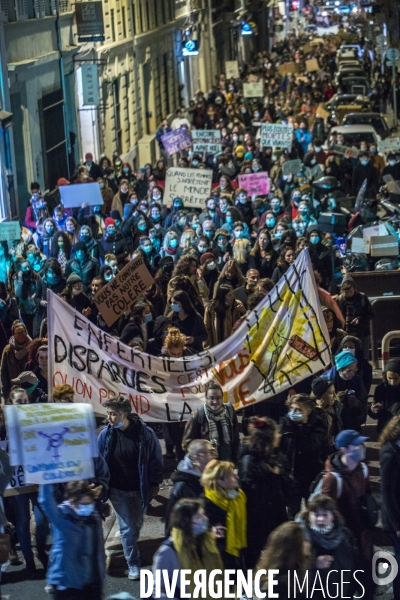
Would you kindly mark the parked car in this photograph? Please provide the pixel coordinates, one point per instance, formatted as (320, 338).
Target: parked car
(348, 72)
(355, 85)
(355, 134)
(377, 121)
(339, 100)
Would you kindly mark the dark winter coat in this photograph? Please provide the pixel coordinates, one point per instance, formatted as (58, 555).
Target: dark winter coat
(266, 504)
(186, 480)
(150, 462)
(305, 447)
(356, 307)
(116, 244)
(354, 412)
(87, 270)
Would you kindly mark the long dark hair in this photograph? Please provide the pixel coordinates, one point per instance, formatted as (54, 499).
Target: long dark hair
(218, 303)
(67, 244)
(184, 299)
(282, 263)
(52, 263)
(261, 436)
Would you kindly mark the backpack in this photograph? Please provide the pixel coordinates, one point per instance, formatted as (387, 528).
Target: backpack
(316, 486)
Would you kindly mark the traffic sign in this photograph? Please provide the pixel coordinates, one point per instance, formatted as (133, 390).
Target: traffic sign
(392, 54)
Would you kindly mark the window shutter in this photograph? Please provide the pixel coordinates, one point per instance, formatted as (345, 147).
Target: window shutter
(3, 10)
(21, 10)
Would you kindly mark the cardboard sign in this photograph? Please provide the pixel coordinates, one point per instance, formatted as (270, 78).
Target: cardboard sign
(312, 65)
(351, 153)
(81, 193)
(321, 112)
(53, 442)
(289, 67)
(276, 135)
(384, 245)
(121, 292)
(253, 90)
(232, 69)
(306, 48)
(10, 231)
(207, 141)
(292, 167)
(192, 185)
(176, 140)
(256, 184)
(390, 144)
(252, 78)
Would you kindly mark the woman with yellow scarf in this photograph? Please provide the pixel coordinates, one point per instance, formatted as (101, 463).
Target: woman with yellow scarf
(225, 507)
(190, 546)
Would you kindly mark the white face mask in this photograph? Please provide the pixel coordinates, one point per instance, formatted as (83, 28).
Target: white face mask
(211, 266)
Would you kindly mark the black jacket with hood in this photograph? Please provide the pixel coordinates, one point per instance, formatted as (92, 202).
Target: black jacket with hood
(186, 480)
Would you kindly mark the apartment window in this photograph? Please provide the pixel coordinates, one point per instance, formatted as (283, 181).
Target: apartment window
(124, 22)
(148, 15)
(163, 11)
(134, 18)
(141, 29)
(112, 17)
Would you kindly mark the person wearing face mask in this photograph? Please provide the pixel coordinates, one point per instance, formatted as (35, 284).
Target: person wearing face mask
(94, 169)
(386, 404)
(347, 464)
(14, 356)
(24, 291)
(333, 545)
(191, 546)
(350, 389)
(312, 170)
(186, 478)
(393, 167)
(106, 193)
(74, 295)
(221, 314)
(294, 204)
(377, 160)
(170, 245)
(187, 319)
(77, 559)
(328, 407)
(353, 345)
(305, 445)
(45, 241)
(137, 327)
(83, 265)
(133, 454)
(261, 478)
(209, 270)
(244, 205)
(365, 170)
(36, 210)
(114, 242)
(122, 197)
(93, 246)
(177, 205)
(52, 279)
(319, 152)
(320, 253)
(222, 249)
(303, 136)
(225, 507)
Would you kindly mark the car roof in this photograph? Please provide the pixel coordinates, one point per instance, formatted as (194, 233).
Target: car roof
(365, 114)
(354, 128)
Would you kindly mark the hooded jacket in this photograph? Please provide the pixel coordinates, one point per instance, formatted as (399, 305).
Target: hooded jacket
(150, 462)
(354, 413)
(68, 565)
(94, 248)
(358, 306)
(389, 397)
(186, 480)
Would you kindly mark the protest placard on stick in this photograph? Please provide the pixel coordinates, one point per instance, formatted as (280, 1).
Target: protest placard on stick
(192, 185)
(121, 292)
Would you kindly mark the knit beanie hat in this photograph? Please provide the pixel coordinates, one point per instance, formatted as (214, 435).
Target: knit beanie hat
(319, 386)
(114, 214)
(348, 280)
(109, 221)
(393, 365)
(80, 246)
(74, 278)
(205, 257)
(344, 359)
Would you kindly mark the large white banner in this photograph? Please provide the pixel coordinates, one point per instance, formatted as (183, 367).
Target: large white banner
(283, 341)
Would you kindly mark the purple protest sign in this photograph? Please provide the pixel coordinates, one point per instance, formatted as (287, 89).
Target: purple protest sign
(256, 184)
(176, 140)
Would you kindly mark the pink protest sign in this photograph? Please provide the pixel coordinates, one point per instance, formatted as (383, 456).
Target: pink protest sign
(256, 184)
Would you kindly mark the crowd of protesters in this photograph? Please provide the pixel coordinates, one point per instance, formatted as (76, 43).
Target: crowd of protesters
(285, 486)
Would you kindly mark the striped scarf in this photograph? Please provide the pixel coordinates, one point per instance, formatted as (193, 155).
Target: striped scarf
(222, 416)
